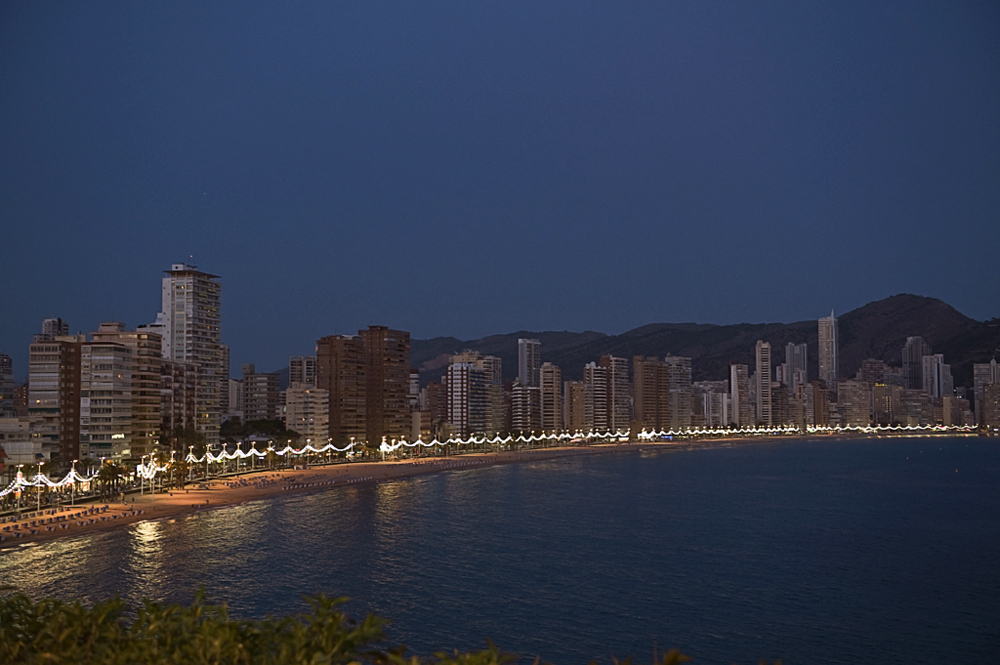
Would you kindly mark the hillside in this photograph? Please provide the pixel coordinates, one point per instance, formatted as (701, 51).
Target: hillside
(876, 330)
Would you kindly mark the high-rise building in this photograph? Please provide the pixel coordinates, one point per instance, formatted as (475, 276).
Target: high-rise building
(467, 402)
(307, 412)
(651, 394)
(474, 394)
(853, 400)
(261, 397)
(913, 362)
(302, 369)
(595, 382)
(574, 406)
(937, 376)
(991, 406)
(529, 362)
(368, 378)
(983, 374)
(710, 405)
(526, 408)
(106, 397)
(178, 397)
(764, 414)
(618, 392)
(146, 368)
(739, 396)
(829, 340)
(387, 366)
(6, 386)
(54, 395)
(341, 370)
(551, 397)
(798, 369)
(190, 322)
(681, 393)
(886, 403)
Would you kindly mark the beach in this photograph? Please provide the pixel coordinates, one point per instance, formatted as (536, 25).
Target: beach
(93, 517)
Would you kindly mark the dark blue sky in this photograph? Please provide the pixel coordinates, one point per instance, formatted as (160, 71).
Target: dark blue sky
(477, 167)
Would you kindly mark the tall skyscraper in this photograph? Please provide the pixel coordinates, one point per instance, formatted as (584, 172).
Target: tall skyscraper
(764, 415)
(106, 396)
(937, 377)
(739, 393)
(983, 374)
(552, 403)
(913, 362)
(146, 368)
(529, 362)
(681, 391)
(595, 382)
(340, 370)
(387, 367)
(829, 365)
(54, 395)
(797, 367)
(474, 385)
(574, 406)
(651, 393)
(190, 323)
(618, 392)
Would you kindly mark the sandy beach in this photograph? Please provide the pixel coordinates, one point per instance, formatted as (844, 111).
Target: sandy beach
(91, 517)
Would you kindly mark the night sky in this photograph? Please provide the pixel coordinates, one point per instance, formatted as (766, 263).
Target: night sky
(468, 168)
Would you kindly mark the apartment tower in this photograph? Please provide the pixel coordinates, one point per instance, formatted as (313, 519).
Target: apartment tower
(190, 323)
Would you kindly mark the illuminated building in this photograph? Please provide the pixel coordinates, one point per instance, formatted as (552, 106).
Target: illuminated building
(595, 382)
(827, 351)
(618, 391)
(387, 368)
(189, 323)
(54, 395)
(739, 396)
(146, 367)
(937, 376)
(340, 370)
(764, 415)
(307, 412)
(551, 397)
(106, 398)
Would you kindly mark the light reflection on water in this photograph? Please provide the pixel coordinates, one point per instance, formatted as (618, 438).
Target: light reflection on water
(813, 552)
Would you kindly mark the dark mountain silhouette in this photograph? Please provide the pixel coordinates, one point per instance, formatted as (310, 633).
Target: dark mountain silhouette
(876, 330)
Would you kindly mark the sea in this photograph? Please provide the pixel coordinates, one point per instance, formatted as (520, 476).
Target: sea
(880, 550)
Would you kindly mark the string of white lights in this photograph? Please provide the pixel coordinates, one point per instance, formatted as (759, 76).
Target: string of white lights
(149, 471)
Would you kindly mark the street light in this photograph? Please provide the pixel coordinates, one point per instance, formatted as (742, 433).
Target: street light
(142, 476)
(72, 488)
(39, 494)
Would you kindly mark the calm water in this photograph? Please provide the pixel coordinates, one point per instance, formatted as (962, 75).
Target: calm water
(881, 551)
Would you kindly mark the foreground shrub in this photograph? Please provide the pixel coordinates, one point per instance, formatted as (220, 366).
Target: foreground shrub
(109, 633)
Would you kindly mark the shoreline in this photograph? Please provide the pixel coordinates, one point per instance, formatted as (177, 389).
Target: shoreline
(96, 517)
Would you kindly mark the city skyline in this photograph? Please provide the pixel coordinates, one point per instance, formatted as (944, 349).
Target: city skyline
(346, 166)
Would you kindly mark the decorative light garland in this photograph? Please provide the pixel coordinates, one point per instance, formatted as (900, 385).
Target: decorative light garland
(149, 471)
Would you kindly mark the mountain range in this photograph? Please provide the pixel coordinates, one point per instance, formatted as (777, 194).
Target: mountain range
(876, 330)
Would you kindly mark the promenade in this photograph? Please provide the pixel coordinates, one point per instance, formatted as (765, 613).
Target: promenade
(92, 517)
